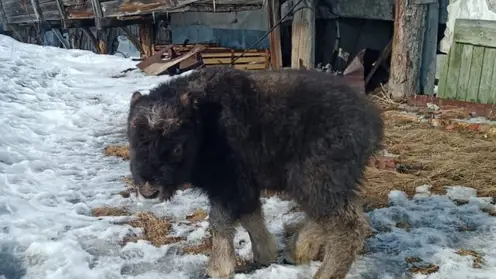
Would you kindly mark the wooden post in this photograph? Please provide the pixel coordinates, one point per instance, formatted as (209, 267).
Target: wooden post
(102, 38)
(145, 33)
(429, 50)
(63, 15)
(97, 11)
(303, 35)
(274, 15)
(409, 28)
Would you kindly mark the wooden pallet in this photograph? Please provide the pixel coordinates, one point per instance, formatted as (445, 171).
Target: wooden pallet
(218, 56)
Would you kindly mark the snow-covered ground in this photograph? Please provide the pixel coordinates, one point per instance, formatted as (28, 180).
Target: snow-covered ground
(59, 109)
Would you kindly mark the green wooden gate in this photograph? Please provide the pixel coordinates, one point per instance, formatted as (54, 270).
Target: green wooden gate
(469, 70)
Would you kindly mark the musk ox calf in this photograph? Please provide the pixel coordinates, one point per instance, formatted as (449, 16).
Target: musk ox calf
(234, 133)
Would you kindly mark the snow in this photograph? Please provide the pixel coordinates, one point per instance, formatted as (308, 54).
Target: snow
(59, 109)
(465, 9)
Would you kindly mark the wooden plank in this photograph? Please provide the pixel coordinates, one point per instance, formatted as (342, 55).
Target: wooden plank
(429, 50)
(454, 71)
(485, 91)
(476, 32)
(492, 97)
(466, 60)
(274, 16)
(303, 35)
(37, 10)
(97, 11)
(146, 38)
(409, 26)
(136, 7)
(443, 75)
(256, 59)
(62, 12)
(475, 73)
(249, 66)
(31, 18)
(229, 54)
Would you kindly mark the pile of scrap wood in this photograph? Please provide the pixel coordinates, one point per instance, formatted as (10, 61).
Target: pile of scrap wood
(176, 59)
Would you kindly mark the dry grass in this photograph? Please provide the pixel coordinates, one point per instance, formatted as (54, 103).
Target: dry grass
(117, 150)
(109, 211)
(156, 230)
(435, 156)
(478, 259)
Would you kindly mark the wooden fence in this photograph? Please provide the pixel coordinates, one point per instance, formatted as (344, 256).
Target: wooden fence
(469, 71)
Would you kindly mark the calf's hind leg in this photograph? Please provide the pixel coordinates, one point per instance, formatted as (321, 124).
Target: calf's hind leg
(344, 237)
(336, 221)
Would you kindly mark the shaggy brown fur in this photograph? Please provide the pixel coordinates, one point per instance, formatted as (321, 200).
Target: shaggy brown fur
(233, 134)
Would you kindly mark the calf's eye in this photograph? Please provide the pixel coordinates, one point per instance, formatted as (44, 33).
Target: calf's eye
(177, 150)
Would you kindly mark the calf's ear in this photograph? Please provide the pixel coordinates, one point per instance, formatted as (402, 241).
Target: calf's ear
(191, 98)
(135, 97)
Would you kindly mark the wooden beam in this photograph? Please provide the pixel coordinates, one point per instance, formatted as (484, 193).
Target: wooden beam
(37, 10)
(303, 35)
(59, 36)
(91, 36)
(429, 50)
(63, 14)
(274, 15)
(97, 11)
(3, 17)
(476, 32)
(408, 38)
(134, 40)
(145, 33)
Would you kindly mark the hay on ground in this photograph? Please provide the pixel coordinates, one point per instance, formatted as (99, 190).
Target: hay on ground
(110, 211)
(155, 230)
(121, 151)
(434, 156)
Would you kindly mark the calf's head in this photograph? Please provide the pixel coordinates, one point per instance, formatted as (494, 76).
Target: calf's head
(163, 139)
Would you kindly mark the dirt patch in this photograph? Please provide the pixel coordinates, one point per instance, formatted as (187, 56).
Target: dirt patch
(121, 151)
